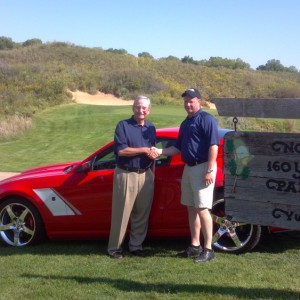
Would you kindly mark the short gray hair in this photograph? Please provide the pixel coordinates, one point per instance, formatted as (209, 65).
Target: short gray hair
(142, 98)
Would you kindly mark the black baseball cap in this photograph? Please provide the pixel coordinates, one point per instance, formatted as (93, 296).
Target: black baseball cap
(192, 92)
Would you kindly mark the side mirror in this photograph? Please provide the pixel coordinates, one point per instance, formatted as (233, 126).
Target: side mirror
(86, 167)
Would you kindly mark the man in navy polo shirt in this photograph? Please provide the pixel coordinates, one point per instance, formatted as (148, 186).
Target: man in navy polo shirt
(133, 184)
(198, 143)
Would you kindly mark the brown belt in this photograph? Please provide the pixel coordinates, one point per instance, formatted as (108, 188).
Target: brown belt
(139, 171)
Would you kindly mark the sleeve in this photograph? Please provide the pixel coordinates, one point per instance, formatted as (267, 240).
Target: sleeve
(212, 131)
(120, 139)
(154, 135)
(179, 139)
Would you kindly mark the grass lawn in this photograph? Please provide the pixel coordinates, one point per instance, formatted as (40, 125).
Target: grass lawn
(82, 270)
(72, 132)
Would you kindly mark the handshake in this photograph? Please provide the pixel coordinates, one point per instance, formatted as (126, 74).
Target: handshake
(153, 152)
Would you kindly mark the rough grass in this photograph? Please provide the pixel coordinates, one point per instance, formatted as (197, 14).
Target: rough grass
(14, 126)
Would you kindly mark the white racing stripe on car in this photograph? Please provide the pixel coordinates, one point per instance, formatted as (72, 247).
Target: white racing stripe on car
(56, 203)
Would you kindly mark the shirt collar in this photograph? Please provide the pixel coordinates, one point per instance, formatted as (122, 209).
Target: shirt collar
(195, 115)
(135, 123)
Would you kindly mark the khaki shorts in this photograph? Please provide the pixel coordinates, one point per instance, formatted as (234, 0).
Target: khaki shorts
(194, 192)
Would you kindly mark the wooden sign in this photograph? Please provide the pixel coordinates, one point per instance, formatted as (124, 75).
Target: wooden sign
(283, 108)
(262, 178)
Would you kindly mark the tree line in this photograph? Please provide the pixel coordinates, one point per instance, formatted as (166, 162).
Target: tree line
(216, 62)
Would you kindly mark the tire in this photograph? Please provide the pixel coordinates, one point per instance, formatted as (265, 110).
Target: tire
(229, 236)
(20, 223)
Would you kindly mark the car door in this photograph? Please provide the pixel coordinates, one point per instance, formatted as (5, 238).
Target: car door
(89, 194)
(166, 205)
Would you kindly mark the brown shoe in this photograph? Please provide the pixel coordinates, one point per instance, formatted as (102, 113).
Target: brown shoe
(116, 255)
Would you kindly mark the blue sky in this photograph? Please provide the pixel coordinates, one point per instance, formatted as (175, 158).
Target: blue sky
(252, 30)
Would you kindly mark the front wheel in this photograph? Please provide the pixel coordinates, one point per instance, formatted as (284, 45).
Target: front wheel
(230, 236)
(20, 223)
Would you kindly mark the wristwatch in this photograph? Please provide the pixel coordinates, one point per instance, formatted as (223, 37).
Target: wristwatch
(210, 171)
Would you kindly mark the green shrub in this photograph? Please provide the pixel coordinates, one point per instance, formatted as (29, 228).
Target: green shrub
(129, 83)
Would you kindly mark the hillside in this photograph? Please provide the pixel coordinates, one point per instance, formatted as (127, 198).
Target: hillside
(37, 76)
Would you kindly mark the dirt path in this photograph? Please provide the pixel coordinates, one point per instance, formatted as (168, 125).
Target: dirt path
(4, 175)
(99, 99)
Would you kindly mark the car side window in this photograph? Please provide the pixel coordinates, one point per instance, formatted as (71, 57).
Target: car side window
(105, 160)
(162, 143)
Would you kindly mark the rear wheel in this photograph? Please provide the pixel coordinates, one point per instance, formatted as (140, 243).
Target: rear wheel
(20, 223)
(230, 236)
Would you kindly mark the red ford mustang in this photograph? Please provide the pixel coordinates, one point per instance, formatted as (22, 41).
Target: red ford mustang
(73, 200)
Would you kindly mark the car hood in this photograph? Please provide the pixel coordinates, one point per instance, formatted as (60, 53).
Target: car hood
(43, 171)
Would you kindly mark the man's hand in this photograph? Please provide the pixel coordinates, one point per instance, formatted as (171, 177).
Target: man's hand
(154, 152)
(208, 179)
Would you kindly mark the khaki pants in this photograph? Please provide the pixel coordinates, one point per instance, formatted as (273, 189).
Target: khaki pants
(132, 199)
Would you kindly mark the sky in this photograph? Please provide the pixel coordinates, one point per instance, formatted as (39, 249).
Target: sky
(254, 31)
